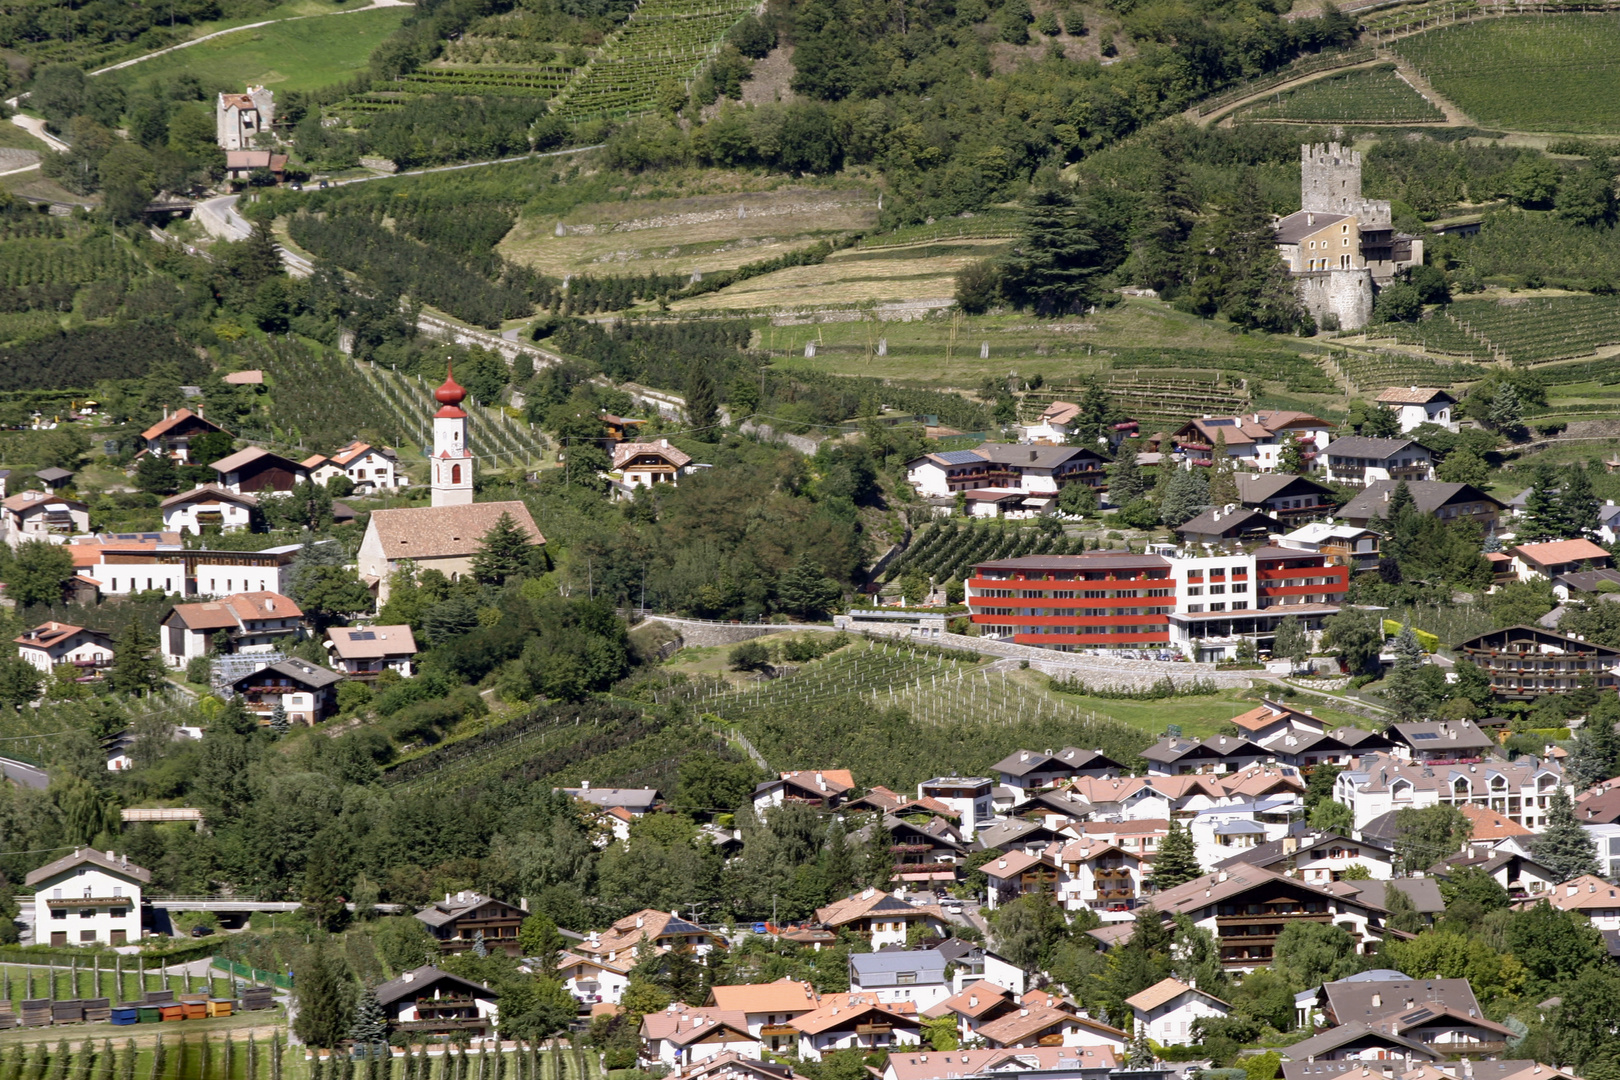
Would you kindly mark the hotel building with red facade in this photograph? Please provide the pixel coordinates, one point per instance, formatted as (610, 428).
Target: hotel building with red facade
(1201, 605)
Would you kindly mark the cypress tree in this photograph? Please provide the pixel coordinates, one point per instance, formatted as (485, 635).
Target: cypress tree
(325, 1000)
(702, 401)
(1186, 494)
(1543, 516)
(1055, 264)
(13, 1065)
(1578, 502)
(1177, 861)
(1125, 481)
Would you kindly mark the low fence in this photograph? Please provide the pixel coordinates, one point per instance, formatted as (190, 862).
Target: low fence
(251, 974)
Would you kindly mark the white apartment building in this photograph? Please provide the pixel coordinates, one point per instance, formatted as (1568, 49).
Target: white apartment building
(1522, 791)
(88, 898)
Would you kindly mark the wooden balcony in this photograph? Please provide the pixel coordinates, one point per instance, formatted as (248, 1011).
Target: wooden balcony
(874, 1029)
(767, 1031)
(449, 1023)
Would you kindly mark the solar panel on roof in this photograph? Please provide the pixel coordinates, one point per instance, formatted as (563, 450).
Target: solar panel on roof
(363, 635)
(1422, 735)
(1220, 423)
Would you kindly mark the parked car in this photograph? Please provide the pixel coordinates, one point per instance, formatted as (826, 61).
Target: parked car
(201, 931)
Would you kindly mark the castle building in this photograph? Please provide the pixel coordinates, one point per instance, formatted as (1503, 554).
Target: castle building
(1339, 246)
(448, 534)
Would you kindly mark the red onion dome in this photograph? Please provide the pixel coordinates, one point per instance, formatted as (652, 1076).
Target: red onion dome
(450, 393)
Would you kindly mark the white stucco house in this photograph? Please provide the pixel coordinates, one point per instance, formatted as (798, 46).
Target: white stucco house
(53, 643)
(208, 506)
(1419, 405)
(362, 652)
(1169, 1008)
(371, 468)
(593, 980)
(88, 898)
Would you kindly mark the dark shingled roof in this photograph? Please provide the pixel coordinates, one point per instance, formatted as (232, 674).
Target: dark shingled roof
(419, 980)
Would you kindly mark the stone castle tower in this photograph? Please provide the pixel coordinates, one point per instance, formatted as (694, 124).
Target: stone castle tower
(1330, 183)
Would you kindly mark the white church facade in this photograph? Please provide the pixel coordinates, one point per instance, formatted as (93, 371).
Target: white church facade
(446, 535)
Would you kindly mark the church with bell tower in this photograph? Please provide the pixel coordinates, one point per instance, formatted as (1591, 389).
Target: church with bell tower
(452, 460)
(446, 535)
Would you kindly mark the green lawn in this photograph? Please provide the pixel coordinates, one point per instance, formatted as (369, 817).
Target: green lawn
(298, 55)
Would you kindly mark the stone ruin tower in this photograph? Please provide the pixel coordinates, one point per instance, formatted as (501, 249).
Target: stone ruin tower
(1330, 183)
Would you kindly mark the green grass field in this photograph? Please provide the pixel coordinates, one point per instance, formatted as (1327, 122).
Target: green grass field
(297, 55)
(1553, 74)
(1371, 96)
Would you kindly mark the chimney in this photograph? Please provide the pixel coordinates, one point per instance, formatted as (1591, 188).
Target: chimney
(584, 785)
(523, 903)
(1032, 455)
(1377, 1000)
(110, 857)
(409, 976)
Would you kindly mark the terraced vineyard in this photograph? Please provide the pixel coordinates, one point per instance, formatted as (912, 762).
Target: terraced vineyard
(1438, 334)
(944, 551)
(1379, 371)
(861, 668)
(1366, 96)
(1537, 329)
(1172, 397)
(1380, 27)
(1296, 373)
(497, 439)
(545, 81)
(664, 41)
(1527, 73)
(1306, 65)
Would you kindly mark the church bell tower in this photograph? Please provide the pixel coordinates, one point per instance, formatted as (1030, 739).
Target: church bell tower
(452, 459)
